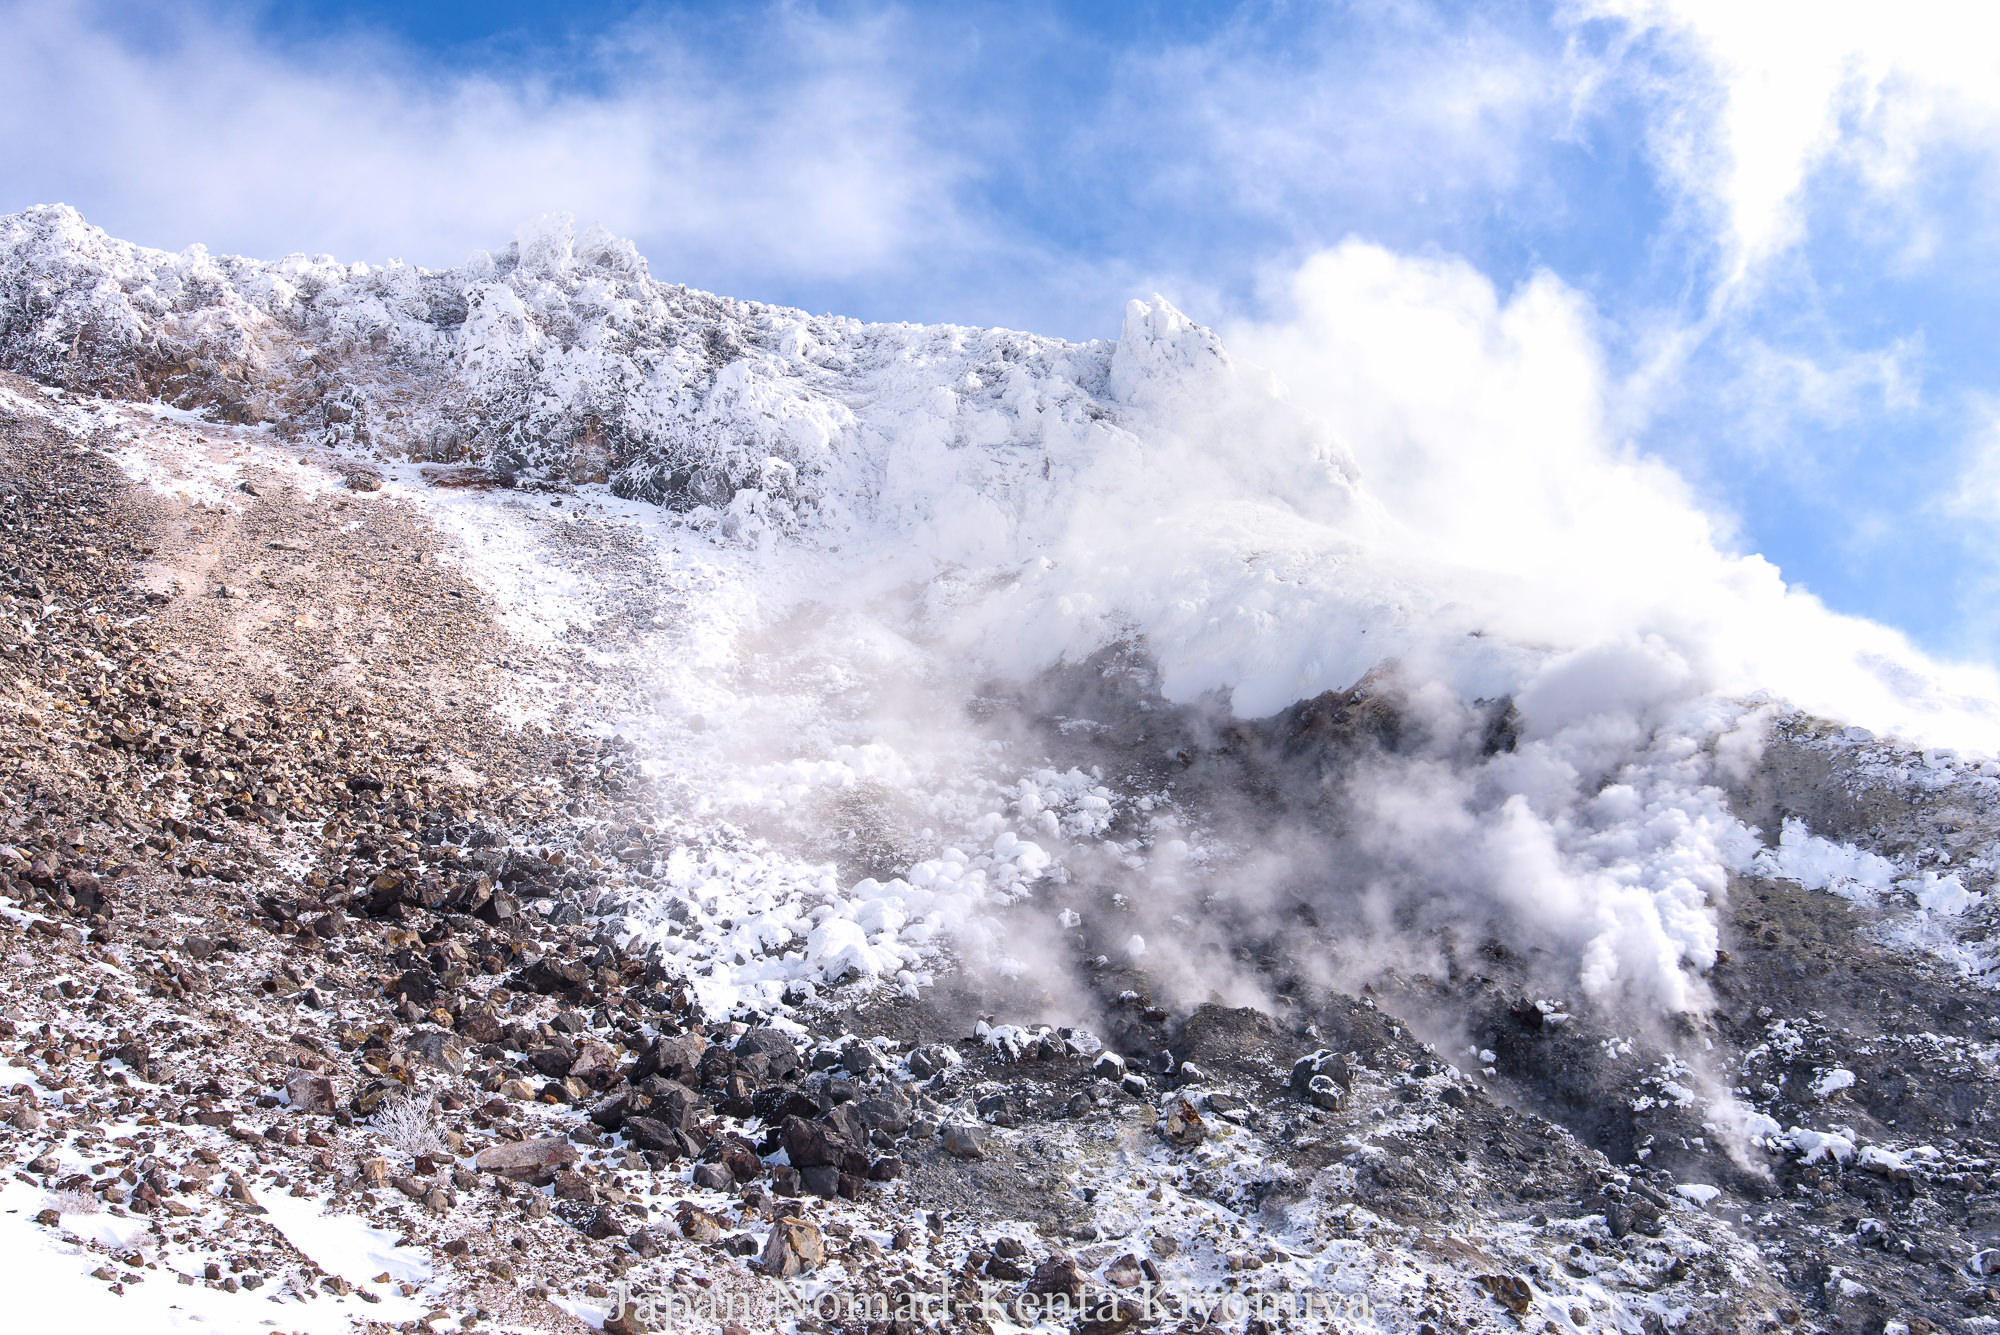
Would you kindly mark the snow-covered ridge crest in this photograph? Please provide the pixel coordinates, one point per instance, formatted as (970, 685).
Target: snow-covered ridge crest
(560, 358)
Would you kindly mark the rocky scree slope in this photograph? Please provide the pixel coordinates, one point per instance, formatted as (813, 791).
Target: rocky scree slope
(287, 933)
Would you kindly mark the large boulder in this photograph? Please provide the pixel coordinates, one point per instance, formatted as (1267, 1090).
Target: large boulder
(774, 1103)
(596, 1063)
(672, 1102)
(677, 1058)
(648, 1134)
(311, 1092)
(817, 1145)
(549, 974)
(1180, 1124)
(537, 1161)
(436, 1047)
(781, 1054)
(811, 1144)
(1324, 1063)
(932, 1059)
(964, 1142)
(1058, 1274)
(888, 1112)
(554, 1060)
(846, 1120)
(794, 1248)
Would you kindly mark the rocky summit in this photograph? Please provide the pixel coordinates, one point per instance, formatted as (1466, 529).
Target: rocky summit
(501, 833)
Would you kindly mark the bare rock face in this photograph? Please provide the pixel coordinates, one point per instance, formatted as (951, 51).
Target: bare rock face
(537, 1161)
(794, 1248)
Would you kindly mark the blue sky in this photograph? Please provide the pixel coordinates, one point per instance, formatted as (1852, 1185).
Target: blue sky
(1778, 227)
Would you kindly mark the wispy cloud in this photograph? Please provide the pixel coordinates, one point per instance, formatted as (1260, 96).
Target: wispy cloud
(1780, 92)
(207, 131)
(1389, 111)
(1972, 508)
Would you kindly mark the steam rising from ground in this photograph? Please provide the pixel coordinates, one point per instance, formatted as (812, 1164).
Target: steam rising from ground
(980, 615)
(1438, 493)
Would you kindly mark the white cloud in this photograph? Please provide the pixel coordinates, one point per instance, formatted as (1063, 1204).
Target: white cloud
(213, 134)
(1481, 423)
(1390, 112)
(1802, 87)
(1978, 493)
(1973, 506)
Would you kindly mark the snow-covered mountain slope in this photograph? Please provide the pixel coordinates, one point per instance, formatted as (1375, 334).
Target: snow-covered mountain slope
(850, 531)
